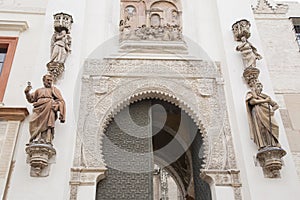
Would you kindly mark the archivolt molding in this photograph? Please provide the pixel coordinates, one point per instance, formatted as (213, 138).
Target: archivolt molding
(150, 93)
(110, 85)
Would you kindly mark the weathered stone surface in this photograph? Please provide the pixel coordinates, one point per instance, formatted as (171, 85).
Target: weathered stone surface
(40, 157)
(270, 159)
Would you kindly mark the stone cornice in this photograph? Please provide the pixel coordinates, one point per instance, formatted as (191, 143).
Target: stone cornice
(13, 114)
(13, 25)
(15, 9)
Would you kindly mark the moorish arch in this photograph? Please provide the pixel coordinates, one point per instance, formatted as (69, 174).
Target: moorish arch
(193, 86)
(152, 64)
(153, 93)
(181, 166)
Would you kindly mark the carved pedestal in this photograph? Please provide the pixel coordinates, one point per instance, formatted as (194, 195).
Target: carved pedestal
(251, 75)
(55, 69)
(40, 156)
(270, 160)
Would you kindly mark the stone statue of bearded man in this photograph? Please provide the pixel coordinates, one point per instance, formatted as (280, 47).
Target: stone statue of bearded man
(47, 103)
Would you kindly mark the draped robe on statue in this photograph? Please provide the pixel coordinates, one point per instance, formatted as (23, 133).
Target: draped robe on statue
(263, 132)
(46, 103)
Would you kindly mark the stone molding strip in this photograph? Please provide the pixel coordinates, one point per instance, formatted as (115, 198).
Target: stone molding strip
(13, 25)
(13, 114)
(87, 176)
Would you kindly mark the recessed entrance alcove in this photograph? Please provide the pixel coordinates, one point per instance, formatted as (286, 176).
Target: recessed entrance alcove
(153, 118)
(148, 146)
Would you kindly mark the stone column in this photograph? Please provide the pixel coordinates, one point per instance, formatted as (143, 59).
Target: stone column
(156, 186)
(10, 120)
(147, 18)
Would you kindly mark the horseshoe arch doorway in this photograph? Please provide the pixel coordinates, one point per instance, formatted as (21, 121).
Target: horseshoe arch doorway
(154, 151)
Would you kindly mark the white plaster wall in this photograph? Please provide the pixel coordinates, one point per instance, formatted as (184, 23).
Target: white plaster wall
(24, 3)
(223, 193)
(23, 6)
(281, 52)
(32, 12)
(255, 186)
(94, 23)
(294, 7)
(102, 24)
(206, 22)
(283, 61)
(201, 25)
(25, 56)
(56, 186)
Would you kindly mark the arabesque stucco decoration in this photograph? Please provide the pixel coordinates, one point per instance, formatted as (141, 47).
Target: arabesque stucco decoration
(60, 44)
(264, 130)
(196, 86)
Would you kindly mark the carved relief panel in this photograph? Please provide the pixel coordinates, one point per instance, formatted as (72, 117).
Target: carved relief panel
(150, 19)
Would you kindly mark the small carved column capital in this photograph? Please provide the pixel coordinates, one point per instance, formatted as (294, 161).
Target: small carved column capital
(222, 178)
(87, 176)
(229, 177)
(83, 176)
